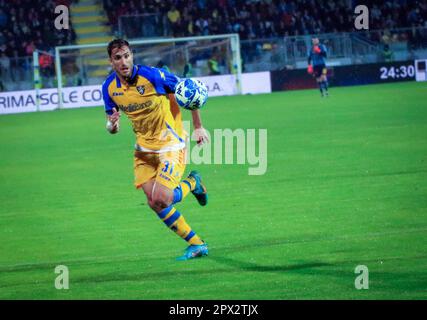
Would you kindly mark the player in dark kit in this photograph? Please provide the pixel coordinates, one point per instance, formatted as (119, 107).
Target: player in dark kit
(317, 65)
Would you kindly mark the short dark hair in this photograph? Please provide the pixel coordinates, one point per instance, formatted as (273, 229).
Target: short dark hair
(117, 43)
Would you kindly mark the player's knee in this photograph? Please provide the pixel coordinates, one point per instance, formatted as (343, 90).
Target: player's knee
(157, 206)
(161, 199)
(153, 206)
(161, 203)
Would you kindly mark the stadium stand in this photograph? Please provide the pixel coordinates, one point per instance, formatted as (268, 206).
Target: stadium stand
(26, 25)
(269, 18)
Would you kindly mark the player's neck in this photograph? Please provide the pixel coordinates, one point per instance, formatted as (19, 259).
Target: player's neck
(125, 80)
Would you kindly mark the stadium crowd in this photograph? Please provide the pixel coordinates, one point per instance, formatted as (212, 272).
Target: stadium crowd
(26, 25)
(29, 24)
(268, 18)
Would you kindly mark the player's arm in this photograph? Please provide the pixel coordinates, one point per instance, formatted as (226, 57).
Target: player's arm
(165, 79)
(200, 134)
(169, 81)
(111, 111)
(310, 66)
(322, 50)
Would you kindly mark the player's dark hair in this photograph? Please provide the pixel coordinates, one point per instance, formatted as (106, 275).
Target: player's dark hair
(117, 43)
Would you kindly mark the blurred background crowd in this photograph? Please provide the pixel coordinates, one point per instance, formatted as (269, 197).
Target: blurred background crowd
(26, 25)
(267, 18)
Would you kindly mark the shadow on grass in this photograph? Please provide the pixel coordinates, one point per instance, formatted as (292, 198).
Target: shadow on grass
(251, 266)
(231, 266)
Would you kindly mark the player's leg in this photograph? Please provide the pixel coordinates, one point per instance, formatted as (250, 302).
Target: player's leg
(318, 75)
(324, 79)
(159, 185)
(193, 183)
(163, 191)
(320, 84)
(159, 200)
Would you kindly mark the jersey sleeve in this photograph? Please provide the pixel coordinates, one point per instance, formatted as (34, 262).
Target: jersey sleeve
(109, 104)
(166, 80)
(309, 57)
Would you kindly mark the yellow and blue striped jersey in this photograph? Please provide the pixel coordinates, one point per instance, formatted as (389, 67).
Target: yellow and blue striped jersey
(146, 101)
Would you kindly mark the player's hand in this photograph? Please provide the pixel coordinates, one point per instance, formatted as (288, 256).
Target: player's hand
(113, 122)
(114, 118)
(201, 136)
(310, 69)
(317, 49)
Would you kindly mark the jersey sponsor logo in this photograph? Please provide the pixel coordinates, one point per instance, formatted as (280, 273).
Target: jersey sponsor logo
(135, 106)
(141, 89)
(115, 94)
(161, 175)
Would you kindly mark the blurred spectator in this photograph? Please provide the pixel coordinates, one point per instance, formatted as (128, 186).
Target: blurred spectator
(3, 19)
(387, 54)
(174, 20)
(174, 15)
(4, 65)
(213, 64)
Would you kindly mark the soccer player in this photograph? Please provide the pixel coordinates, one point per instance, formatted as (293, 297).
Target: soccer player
(317, 65)
(146, 96)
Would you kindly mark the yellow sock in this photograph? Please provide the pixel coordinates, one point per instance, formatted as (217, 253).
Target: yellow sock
(182, 229)
(176, 222)
(187, 185)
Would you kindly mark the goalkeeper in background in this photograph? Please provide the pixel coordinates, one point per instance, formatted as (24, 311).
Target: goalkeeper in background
(317, 65)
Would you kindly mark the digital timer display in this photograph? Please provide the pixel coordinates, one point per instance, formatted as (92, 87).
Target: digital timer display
(397, 72)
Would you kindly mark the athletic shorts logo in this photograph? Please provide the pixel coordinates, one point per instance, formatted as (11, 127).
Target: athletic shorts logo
(141, 89)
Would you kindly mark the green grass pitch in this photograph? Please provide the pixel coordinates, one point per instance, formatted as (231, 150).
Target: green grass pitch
(346, 185)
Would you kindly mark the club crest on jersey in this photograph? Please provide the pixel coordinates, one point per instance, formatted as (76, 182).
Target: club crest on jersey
(141, 89)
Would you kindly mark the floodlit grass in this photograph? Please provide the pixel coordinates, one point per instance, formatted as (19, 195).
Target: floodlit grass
(346, 185)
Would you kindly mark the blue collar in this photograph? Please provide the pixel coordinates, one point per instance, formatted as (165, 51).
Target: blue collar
(134, 72)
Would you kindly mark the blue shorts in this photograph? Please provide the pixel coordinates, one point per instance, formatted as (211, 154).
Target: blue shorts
(320, 70)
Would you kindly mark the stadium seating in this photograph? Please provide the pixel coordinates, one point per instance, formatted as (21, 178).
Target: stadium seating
(264, 19)
(28, 24)
(23, 23)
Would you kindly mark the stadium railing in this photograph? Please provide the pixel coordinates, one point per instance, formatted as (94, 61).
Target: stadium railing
(16, 73)
(343, 48)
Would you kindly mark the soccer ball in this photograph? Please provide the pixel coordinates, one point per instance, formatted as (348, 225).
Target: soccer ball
(191, 94)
